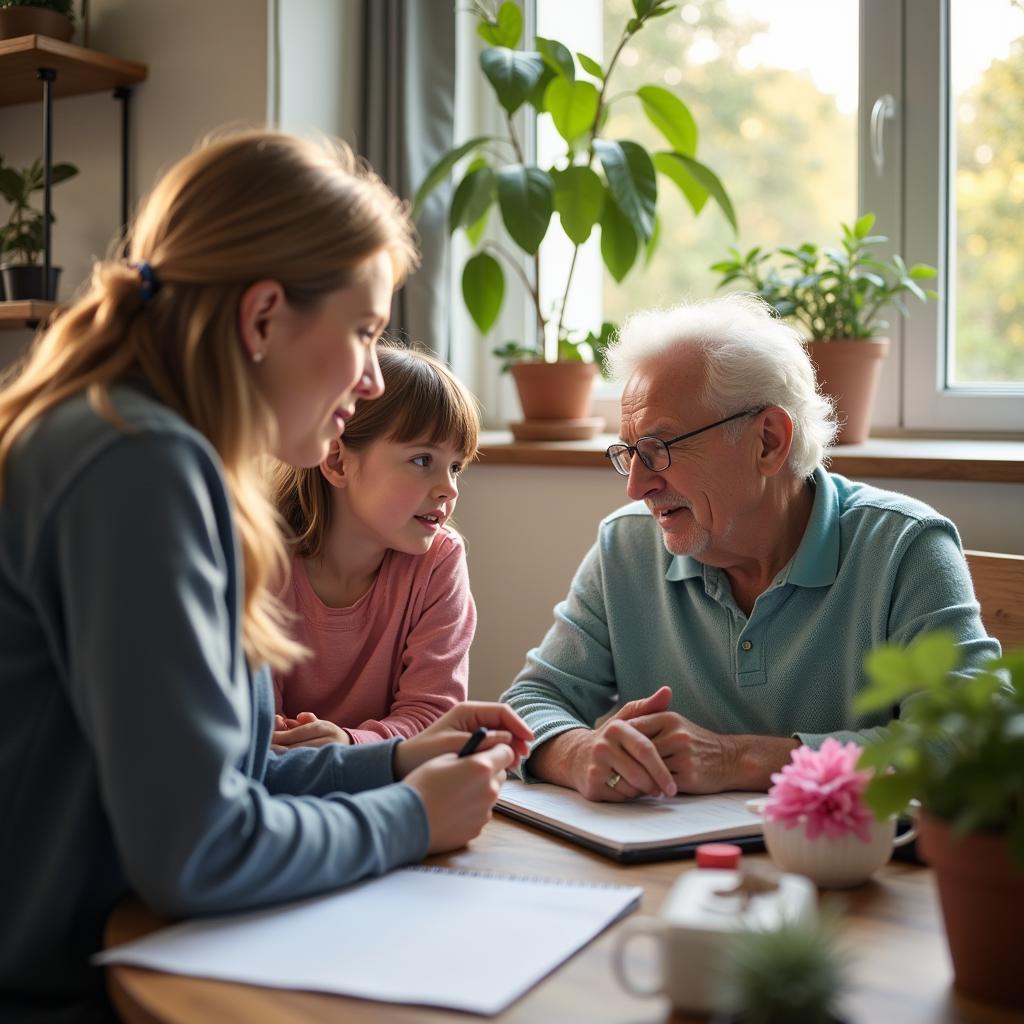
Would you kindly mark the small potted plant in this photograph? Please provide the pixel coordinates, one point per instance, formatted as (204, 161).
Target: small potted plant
(958, 748)
(783, 975)
(21, 238)
(835, 297)
(607, 184)
(53, 18)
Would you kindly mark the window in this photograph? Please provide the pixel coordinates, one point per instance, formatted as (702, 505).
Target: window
(773, 88)
(812, 113)
(949, 190)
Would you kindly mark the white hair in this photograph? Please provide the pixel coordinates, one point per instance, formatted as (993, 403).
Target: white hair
(751, 359)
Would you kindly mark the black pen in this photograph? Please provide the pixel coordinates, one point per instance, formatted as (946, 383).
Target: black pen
(473, 742)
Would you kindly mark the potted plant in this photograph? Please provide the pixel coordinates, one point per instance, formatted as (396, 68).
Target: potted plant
(21, 238)
(836, 297)
(609, 184)
(958, 748)
(53, 18)
(778, 976)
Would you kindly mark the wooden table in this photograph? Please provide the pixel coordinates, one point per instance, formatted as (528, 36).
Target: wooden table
(892, 933)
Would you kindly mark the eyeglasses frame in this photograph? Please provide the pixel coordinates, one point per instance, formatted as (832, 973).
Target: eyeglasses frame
(667, 445)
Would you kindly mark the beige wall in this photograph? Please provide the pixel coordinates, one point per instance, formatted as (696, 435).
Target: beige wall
(207, 67)
(527, 528)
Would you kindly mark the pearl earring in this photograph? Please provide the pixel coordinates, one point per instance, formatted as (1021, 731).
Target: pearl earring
(257, 357)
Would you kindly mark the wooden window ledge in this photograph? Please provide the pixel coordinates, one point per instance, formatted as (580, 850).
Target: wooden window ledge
(884, 457)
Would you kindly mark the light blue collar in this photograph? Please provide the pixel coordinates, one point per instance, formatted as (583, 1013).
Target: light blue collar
(816, 561)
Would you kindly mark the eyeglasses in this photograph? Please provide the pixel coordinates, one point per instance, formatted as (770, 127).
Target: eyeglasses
(654, 453)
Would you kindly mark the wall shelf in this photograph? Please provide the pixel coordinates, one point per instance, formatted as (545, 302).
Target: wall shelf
(34, 68)
(27, 313)
(78, 70)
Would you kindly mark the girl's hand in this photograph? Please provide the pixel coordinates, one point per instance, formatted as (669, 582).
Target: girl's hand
(449, 734)
(305, 731)
(458, 794)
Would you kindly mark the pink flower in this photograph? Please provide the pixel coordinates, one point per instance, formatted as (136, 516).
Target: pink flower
(823, 790)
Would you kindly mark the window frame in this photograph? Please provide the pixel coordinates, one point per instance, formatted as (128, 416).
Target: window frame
(905, 53)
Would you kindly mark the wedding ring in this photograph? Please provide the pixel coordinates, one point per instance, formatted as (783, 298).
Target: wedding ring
(613, 780)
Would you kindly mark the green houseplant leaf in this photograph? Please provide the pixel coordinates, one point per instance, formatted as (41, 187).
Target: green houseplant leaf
(632, 182)
(590, 65)
(572, 106)
(677, 166)
(526, 198)
(579, 200)
(472, 198)
(596, 181)
(619, 243)
(440, 171)
(483, 289)
(557, 56)
(671, 116)
(512, 73)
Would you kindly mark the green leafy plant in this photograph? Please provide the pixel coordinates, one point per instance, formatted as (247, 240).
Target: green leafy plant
(611, 184)
(958, 747)
(65, 7)
(830, 293)
(22, 236)
(791, 973)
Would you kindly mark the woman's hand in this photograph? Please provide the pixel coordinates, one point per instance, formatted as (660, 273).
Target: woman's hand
(305, 731)
(449, 734)
(458, 794)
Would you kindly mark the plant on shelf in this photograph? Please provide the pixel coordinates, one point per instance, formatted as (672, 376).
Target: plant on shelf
(54, 18)
(21, 238)
(958, 748)
(790, 973)
(610, 184)
(835, 296)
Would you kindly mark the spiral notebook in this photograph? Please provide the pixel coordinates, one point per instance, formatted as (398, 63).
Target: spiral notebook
(426, 936)
(638, 830)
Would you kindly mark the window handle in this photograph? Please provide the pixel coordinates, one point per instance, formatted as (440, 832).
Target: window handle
(883, 109)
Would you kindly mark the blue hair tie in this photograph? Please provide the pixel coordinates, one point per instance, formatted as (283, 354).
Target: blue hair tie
(150, 284)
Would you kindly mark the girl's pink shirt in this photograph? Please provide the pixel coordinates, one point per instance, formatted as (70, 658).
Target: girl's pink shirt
(396, 660)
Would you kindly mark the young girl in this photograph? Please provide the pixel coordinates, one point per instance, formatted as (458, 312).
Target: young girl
(139, 556)
(378, 583)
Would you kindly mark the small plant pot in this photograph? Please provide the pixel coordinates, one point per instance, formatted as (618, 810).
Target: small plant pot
(22, 281)
(34, 21)
(848, 370)
(556, 401)
(982, 892)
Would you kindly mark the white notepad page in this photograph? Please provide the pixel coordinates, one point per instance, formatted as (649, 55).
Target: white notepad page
(635, 824)
(420, 935)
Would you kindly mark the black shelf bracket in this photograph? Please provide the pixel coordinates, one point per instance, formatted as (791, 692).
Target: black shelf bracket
(123, 94)
(48, 76)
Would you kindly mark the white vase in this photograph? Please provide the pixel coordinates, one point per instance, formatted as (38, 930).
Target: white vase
(833, 862)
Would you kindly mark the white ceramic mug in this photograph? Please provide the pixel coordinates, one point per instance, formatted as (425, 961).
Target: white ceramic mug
(833, 862)
(694, 927)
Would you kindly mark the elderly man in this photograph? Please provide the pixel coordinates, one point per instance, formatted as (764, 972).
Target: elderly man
(727, 611)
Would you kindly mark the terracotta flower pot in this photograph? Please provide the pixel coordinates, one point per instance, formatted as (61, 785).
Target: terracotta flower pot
(849, 370)
(556, 400)
(34, 21)
(982, 895)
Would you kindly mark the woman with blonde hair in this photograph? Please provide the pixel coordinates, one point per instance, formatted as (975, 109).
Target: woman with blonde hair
(140, 556)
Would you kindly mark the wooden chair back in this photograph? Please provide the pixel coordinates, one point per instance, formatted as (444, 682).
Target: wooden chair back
(999, 587)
